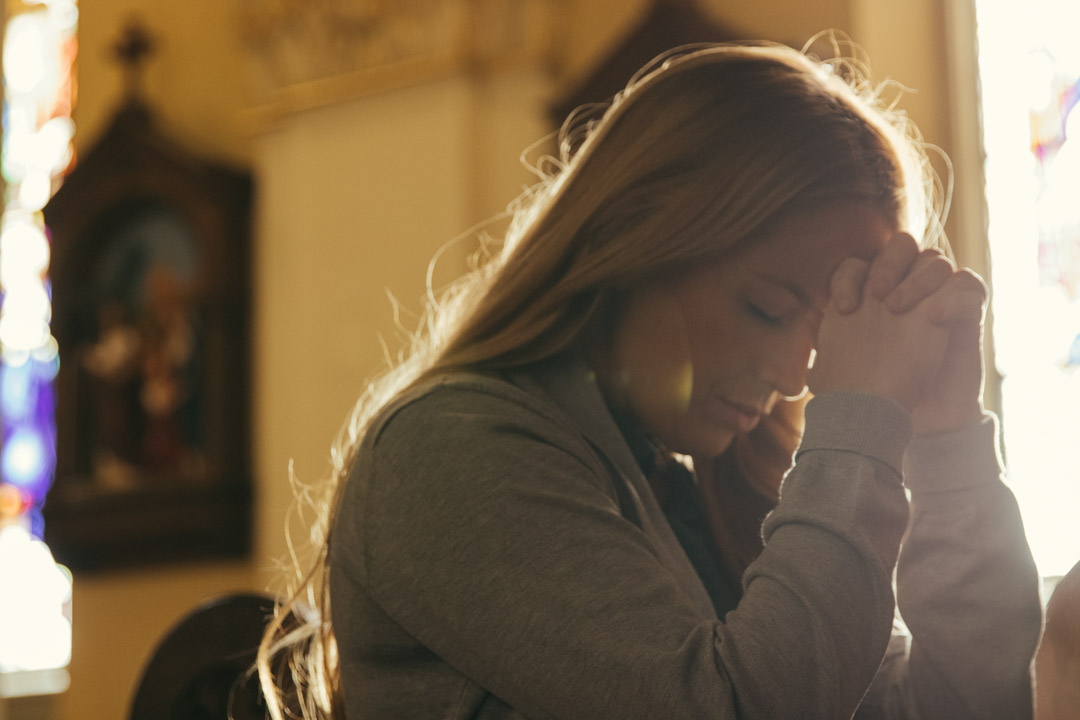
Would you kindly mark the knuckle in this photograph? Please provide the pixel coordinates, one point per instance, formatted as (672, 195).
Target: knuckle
(946, 261)
(972, 280)
(885, 270)
(855, 264)
(851, 269)
(943, 267)
(907, 243)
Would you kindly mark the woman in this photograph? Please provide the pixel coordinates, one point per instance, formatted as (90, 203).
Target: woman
(517, 530)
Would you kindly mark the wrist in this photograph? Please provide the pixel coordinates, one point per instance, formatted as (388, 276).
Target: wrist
(952, 420)
(964, 459)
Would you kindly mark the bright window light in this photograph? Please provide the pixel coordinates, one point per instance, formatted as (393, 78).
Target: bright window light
(1029, 66)
(39, 49)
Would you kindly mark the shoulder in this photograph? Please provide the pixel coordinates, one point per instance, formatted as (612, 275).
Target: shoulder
(466, 405)
(460, 452)
(472, 432)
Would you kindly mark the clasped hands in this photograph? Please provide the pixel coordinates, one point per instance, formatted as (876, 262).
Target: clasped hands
(906, 326)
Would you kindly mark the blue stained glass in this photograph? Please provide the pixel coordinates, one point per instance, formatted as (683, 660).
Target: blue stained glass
(28, 455)
(1074, 352)
(15, 386)
(39, 98)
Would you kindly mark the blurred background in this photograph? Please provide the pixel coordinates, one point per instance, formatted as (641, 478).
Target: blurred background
(275, 170)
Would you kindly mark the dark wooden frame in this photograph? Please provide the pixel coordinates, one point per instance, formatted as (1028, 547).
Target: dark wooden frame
(164, 514)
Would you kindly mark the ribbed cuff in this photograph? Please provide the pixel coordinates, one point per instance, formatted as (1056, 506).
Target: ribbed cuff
(956, 460)
(858, 422)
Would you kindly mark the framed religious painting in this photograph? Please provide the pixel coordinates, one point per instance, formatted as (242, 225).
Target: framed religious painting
(151, 288)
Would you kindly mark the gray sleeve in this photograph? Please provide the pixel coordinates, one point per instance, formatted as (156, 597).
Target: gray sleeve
(967, 588)
(492, 537)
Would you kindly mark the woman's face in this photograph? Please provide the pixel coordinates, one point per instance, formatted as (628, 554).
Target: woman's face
(700, 354)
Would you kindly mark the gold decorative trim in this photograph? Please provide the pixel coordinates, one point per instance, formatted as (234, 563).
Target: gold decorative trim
(310, 53)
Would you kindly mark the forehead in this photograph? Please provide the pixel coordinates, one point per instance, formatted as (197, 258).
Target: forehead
(804, 248)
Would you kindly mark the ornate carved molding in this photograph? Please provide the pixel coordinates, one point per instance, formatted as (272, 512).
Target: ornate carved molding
(304, 50)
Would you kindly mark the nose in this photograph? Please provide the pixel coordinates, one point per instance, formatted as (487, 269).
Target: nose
(786, 362)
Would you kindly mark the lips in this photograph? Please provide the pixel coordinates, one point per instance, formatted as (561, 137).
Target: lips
(744, 408)
(742, 416)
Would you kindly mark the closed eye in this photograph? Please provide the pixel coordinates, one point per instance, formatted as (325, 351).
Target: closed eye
(763, 315)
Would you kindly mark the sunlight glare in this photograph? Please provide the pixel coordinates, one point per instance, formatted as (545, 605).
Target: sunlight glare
(1029, 56)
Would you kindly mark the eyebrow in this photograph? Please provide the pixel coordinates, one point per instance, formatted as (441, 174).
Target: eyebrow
(792, 288)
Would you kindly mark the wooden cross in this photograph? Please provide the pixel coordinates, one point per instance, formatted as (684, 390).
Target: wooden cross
(134, 48)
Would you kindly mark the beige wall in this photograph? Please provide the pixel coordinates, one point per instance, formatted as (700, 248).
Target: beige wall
(354, 198)
(196, 78)
(592, 27)
(192, 83)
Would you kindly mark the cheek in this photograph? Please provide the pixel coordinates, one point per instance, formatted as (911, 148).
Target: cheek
(656, 358)
(720, 343)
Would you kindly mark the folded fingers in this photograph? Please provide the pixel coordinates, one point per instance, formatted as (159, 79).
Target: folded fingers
(962, 298)
(892, 265)
(929, 272)
(846, 285)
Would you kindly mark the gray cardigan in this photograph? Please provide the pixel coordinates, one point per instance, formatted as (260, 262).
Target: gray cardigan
(498, 554)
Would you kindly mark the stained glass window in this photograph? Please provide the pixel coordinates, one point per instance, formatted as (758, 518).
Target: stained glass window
(39, 47)
(1030, 78)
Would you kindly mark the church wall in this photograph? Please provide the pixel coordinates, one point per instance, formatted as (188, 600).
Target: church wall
(196, 84)
(196, 79)
(358, 198)
(592, 27)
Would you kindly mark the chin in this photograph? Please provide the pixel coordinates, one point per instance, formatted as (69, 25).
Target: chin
(704, 444)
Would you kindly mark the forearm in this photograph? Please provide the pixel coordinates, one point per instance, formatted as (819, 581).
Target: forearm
(826, 571)
(967, 585)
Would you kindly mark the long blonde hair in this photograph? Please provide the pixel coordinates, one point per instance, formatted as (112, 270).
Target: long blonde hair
(703, 147)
